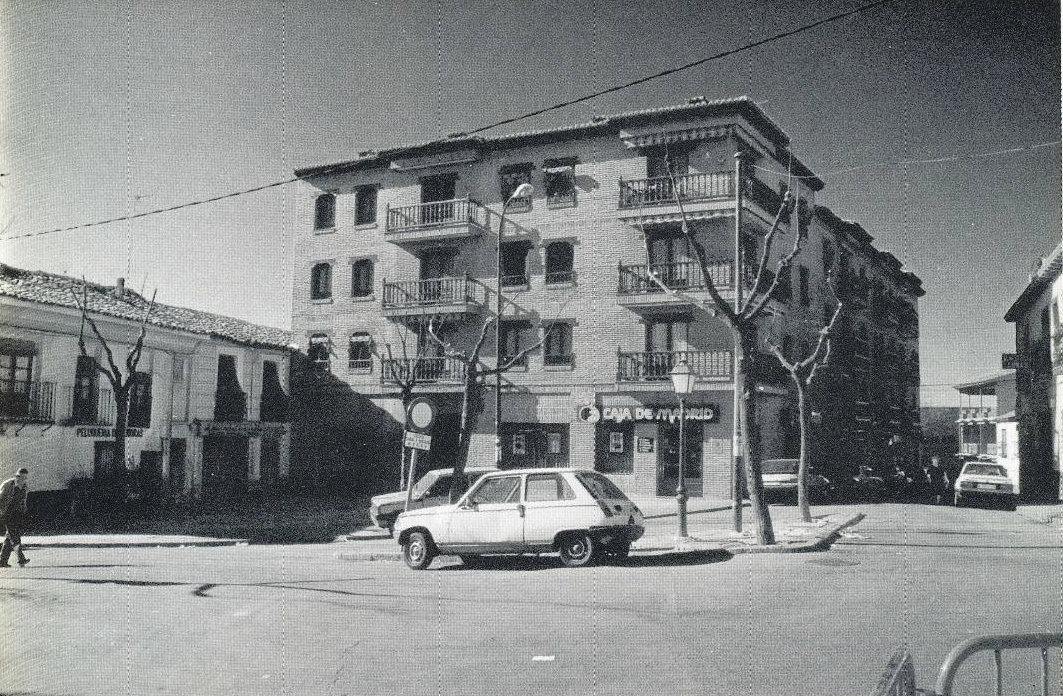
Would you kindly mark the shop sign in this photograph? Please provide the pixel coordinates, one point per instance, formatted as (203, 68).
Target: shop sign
(106, 432)
(644, 444)
(237, 428)
(649, 414)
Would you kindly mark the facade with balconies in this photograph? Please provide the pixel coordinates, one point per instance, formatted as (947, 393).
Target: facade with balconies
(1038, 317)
(208, 407)
(584, 257)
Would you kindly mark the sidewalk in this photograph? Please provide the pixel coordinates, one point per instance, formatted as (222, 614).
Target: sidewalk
(123, 541)
(1044, 514)
(708, 527)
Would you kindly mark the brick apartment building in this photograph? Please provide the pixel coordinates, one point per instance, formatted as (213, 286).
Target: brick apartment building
(208, 413)
(399, 235)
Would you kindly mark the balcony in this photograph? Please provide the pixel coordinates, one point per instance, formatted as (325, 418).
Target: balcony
(709, 366)
(459, 218)
(79, 411)
(28, 402)
(444, 371)
(456, 295)
(638, 292)
(977, 413)
(654, 200)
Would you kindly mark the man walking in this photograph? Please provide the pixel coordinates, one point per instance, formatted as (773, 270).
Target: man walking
(12, 512)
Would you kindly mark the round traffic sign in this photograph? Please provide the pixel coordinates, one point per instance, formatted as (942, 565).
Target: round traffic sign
(421, 413)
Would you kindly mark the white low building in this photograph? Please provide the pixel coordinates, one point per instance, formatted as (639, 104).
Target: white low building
(208, 415)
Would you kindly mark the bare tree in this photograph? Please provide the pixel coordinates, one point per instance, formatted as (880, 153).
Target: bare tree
(742, 319)
(121, 381)
(474, 382)
(802, 372)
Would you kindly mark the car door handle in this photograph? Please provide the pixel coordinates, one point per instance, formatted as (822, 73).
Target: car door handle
(520, 509)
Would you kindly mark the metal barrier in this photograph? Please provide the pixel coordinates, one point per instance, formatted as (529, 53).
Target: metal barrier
(899, 677)
(998, 644)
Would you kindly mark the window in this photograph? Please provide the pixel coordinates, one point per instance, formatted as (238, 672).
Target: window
(365, 205)
(230, 402)
(274, 407)
(559, 178)
(325, 211)
(515, 263)
(140, 401)
(16, 374)
(360, 353)
(660, 159)
(512, 337)
(613, 450)
(504, 489)
(547, 487)
(320, 349)
(559, 262)
(806, 300)
(362, 278)
(321, 281)
(784, 290)
(557, 348)
(509, 178)
(86, 391)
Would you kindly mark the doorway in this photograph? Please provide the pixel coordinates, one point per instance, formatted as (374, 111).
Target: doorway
(224, 466)
(437, 196)
(668, 459)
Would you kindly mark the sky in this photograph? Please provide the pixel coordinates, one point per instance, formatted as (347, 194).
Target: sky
(115, 108)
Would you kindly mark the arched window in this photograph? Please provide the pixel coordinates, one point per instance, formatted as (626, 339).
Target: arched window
(320, 349)
(559, 262)
(325, 211)
(321, 281)
(360, 353)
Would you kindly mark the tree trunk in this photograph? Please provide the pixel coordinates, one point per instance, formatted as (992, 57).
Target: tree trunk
(751, 445)
(471, 407)
(802, 461)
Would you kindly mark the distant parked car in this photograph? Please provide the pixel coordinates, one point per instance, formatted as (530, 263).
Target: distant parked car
(578, 512)
(981, 480)
(431, 490)
(780, 480)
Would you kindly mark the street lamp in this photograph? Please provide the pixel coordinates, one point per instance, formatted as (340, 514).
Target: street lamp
(525, 190)
(683, 384)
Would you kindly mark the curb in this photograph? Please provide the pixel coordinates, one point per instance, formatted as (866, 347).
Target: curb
(817, 543)
(717, 508)
(30, 544)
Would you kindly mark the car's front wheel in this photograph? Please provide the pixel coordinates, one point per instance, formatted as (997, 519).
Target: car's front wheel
(577, 550)
(418, 550)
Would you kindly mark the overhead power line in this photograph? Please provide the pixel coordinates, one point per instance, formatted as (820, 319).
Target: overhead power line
(538, 112)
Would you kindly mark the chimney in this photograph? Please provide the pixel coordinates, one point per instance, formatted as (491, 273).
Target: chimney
(119, 288)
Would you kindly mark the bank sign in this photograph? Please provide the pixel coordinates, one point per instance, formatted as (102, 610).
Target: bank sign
(648, 414)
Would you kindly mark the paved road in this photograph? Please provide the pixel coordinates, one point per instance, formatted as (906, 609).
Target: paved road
(300, 620)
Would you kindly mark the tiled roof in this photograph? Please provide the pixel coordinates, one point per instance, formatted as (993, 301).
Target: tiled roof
(698, 106)
(54, 289)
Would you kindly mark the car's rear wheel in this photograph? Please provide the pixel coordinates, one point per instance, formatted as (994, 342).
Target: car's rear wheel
(577, 550)
(418, 550)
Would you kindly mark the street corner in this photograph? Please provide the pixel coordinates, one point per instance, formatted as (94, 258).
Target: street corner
(799, 537)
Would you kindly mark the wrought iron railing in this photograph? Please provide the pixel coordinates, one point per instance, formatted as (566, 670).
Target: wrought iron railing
(80, 412)
(514, 280)
(422, 370)
(436, 214)
(430, 292)
(662, 190)
(678, 275)
(656, 365)
(28, 401)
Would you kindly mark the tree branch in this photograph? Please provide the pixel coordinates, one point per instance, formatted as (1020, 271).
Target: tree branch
(133, 358)
(765, 254)
(115, 375)
(784, 264)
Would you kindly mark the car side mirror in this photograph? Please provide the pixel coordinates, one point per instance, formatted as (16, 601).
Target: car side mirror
(467, 505)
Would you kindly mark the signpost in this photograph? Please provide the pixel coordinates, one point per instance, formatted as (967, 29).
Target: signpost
(420, 415)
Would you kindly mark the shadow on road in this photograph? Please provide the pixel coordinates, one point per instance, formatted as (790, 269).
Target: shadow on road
(532, 563)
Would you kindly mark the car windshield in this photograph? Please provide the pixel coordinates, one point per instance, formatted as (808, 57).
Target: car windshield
(984, 470)
(779, 466)
(600, 487)
(425, 483)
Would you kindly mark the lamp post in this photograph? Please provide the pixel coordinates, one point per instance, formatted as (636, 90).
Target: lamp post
(525, 190)
(683, 383)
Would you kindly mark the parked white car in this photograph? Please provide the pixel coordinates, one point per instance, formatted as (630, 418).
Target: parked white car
(430, 490)
(986, 481)
(578, 512)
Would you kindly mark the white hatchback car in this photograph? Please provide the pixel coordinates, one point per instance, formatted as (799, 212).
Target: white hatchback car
(578, 512)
